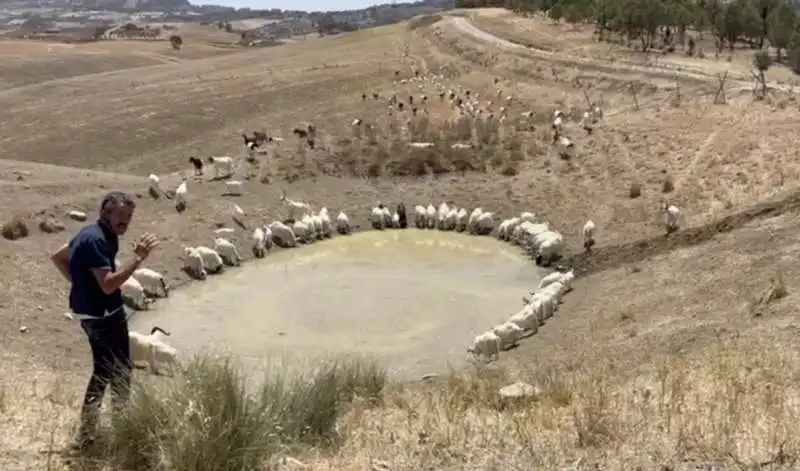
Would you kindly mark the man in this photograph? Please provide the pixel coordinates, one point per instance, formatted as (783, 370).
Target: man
(88, 262)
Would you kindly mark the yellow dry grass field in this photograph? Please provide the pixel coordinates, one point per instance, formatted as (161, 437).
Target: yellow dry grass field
(671, 352)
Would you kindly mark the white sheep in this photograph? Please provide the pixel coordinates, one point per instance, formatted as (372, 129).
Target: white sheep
(316, 224)
(472, 223)
(441, 214)
(507, 227)
(155, 185)
(225, 231)
(376, 217)
(259, 238)
(228, 251)
(450, 219)
(509, 334)
(484, 225)
(461, 220)
(326, 222)
(302, 231)
(133, 291)
(194, 263)
(563, 277)
(566, 148)
(527, 318)
(152, 282)
(234, 188)
(342, 223)
(268, 242)
(294, 205)
(223, 166)
(420, 216)
(180, 196)
(544, 303)
(672, 217)
(485, 346)
(387, 216)
(212, 260)
(550, 249)
(282, 234)
(152, 351)
(526, 216)
(588, 235)
(395, 220)
(430, 216)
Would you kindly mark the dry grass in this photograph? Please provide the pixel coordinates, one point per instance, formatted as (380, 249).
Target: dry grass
(656, 364)
(14, 229)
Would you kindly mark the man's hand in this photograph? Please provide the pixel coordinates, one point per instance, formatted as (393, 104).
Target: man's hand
(145, 245)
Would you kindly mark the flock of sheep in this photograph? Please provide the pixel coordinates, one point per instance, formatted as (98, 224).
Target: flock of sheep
(474, 120)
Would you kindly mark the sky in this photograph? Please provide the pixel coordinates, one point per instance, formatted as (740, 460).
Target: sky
(307, 5)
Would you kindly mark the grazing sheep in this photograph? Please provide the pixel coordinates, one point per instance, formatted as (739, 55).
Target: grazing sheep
(151, 350)
(420, 216)
(133, 292)
(233, 188)
(527, 318)
(485, 346)
(566, 148)
(198, 166)
(342, 223)
(212, 260)
(194, 263)
(152, 281)
(505, 228)
(228, 251)
(441, 214)
(223, 166)
(402, 217)
(180, 197)
(588, 235)
(509, 334)
(550, 249)
(450, 219)
(259, 238)
(430, 216)
(672, 217)
(155, 185)
(557, 276)
(282, 234)
(472, 223)
(302, 231)
(484, 224)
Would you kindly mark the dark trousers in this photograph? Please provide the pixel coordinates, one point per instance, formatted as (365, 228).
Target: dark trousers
(111, 365)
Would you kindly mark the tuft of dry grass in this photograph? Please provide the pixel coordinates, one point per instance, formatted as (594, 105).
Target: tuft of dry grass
(733, 404)
(15, 229)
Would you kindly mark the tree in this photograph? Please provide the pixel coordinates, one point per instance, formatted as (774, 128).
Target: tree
(782, 24)
(176, 42)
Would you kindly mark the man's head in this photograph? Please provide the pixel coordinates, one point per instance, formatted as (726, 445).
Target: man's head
(116, 211)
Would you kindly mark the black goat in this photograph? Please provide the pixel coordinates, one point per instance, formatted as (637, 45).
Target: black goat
(198, 166)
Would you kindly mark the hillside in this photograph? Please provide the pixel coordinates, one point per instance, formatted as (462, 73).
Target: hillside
(671, 352)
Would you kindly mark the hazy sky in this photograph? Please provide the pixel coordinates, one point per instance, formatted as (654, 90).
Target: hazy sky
(308, 5)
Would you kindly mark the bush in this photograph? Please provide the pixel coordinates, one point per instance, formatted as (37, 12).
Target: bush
(15, 229)
(211, 418)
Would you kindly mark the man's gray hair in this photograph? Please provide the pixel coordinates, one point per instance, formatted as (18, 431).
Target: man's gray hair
(114, 200)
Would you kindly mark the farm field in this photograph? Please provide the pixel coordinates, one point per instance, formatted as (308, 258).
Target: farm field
(670, 353)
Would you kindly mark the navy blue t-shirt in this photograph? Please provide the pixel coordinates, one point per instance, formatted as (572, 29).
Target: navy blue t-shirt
(95, 246)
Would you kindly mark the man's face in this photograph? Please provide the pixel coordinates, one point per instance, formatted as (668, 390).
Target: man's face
(119, 218)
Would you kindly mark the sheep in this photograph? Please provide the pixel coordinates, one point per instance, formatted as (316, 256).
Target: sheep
(133, 292)
(316, 226)
(421, 145)
(484, 225)
(557, 276)
(505, 228)
(294, 205)
(430, 216)
(588, 235)
(545, 304)
(672, 217)
(223, 166)
(461, 220)
(401, 215)
(550, 250)
(233, 188)
(376, 217)
(180, 197)
(509, 334)
(395, 220)
(441, 214)
(472, 222)
(586, 122)
(198, 166)
(151, 351)
(282, 234)
(152, 281)
(342, 223)
(212, 260)
(155, 185)
(268, 242)
(387, 216)
(225, 231)
(566, 148)
(527, 318)
(259, 237)
(326, 222)
(302, 231)
(228, 251)
(420, 216)
(450, 220)
(527, 217)
(485, 346)
(194, 263)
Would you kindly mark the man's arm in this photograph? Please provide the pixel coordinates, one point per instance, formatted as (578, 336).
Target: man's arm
(61, 260)
(96, 257)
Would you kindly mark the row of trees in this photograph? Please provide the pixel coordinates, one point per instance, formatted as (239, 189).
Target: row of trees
(664, 23)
